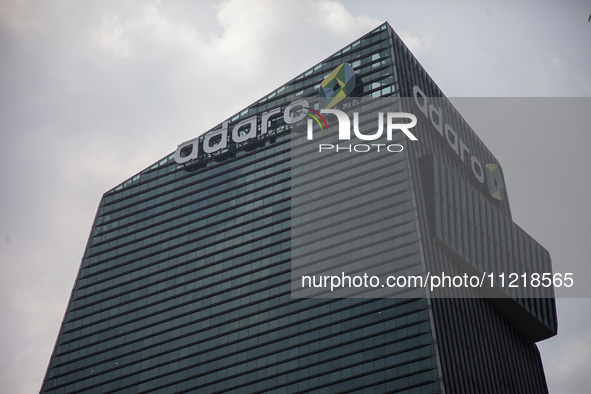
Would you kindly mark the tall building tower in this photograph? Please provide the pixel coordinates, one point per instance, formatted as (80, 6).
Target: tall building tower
(187, 282)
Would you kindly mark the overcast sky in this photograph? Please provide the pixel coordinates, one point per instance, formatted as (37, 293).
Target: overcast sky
(91, 93)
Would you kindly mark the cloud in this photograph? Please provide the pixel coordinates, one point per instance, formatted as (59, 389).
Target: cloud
(417, 45)
(562, 73)
(111, 38)
(567, 369)
(175, 57)
(585, 82)
(337, 19)
(19, 16)
(244, 45)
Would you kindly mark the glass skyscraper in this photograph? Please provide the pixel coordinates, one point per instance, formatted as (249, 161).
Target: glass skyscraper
(185, 284)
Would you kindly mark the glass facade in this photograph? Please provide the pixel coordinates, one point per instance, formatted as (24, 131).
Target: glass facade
(185, 282)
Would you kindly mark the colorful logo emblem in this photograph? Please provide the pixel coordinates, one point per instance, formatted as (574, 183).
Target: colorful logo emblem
(338, 85)
(496, 186)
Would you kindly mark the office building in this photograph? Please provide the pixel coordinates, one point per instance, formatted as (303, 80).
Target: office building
(186, 281)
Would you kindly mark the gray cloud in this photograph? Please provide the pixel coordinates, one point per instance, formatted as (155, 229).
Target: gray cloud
(93, 92)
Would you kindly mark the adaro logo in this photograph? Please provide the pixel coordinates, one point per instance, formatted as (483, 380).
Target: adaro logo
(496, 187)
(333, 89)
(337, 85)
(490, 174)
